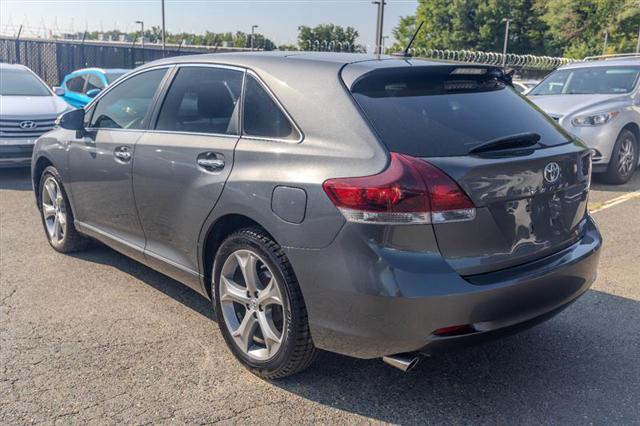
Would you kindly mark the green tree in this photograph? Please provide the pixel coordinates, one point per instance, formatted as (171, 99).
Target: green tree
(328, 37)
(474, 25)
(576, 28)
(572, 28)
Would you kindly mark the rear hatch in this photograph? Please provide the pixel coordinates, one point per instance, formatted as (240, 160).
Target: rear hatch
(527, 177)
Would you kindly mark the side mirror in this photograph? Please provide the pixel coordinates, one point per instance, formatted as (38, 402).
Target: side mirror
(73, 120)
(93, 93)
(59, 91)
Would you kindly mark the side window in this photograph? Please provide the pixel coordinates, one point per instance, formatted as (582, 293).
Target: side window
(126, 105)
(202, 100)
(94, 82)
(76, 84)
(262, 116)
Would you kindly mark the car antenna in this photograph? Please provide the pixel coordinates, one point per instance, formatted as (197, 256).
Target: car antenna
(405, 53)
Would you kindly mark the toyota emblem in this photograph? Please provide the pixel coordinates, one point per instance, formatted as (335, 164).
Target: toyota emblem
(28, 125)
(551, 172)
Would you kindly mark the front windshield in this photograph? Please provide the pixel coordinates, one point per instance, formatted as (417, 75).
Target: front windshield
(20, 82)
(589, 81)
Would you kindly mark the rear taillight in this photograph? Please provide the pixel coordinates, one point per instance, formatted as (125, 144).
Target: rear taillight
(409, 191)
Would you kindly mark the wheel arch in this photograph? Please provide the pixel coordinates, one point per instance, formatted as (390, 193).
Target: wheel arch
(38, 168)
(635, 129)
(216, 234)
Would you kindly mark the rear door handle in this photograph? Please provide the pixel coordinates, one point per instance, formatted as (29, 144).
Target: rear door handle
(210, 161)
(122, 153)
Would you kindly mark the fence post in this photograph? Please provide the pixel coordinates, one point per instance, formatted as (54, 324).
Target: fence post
(84, 59)
(133, 53)
(18, 45)
(58, 52)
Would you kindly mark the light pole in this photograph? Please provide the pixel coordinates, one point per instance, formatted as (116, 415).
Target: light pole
(164, 46)
(253, 34)
(606, 39)
(507, 21)
(141, 31)
(379, 26)
(142, 34)
(638, 44)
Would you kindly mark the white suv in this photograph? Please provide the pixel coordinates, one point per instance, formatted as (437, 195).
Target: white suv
(599, 102)
(28, 109)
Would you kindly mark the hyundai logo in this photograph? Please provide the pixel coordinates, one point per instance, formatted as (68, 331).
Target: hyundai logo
(28, 125)
(551, 172)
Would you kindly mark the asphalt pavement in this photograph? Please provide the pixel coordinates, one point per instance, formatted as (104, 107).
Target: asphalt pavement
(96, 338)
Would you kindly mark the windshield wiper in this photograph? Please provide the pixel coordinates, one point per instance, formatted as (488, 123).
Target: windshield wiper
(519, 140)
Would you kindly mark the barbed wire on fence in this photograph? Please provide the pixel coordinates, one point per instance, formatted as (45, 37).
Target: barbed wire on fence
(492, 58)
(512, 60)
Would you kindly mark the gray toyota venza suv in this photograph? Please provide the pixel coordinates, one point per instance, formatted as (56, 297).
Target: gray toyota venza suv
(374, 207)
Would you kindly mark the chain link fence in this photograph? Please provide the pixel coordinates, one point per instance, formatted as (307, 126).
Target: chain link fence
(53, 59)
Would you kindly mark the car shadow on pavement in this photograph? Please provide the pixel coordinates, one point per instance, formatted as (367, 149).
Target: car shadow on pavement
(631, 186)
(99, 253)
(580, 367)
(16, 179)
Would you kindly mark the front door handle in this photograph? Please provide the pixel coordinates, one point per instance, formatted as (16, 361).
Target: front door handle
(211, 162)
(122, 153)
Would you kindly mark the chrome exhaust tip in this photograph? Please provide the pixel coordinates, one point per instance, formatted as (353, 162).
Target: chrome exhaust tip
(404, 362)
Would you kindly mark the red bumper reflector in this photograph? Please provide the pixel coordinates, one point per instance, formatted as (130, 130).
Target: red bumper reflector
(455, 330)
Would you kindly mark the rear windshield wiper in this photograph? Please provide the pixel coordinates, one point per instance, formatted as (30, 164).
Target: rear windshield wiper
(519, 140)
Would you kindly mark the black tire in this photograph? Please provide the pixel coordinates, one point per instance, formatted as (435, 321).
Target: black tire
(616, 174)
(71, 240)
(296, 351)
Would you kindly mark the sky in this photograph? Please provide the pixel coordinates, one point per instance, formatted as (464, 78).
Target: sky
(277, 19)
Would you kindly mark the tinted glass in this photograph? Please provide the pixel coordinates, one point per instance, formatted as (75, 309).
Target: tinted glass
(114, 75)
(430, 112)
(589, 81)
(201, 100)
(76, 84)
(94, 82)
(262, 116)
(126, 105)
(18, 82)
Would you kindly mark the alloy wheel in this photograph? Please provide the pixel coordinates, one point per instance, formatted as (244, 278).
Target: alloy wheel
(54, 210)
(626, 157)
(252, 305)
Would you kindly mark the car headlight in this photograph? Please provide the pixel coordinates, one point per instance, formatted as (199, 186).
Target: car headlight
(594, 119)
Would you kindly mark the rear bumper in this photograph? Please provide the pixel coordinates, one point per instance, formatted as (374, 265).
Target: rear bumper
(15, 155)
(369, 301)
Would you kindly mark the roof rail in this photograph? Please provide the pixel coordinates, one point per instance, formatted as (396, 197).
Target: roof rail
(614, 56)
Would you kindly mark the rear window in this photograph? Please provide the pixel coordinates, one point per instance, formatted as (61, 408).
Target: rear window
(437, 111)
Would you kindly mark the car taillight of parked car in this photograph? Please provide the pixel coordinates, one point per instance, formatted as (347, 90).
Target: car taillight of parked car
(408, 191)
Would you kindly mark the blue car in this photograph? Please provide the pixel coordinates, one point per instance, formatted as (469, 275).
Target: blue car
(79, 87)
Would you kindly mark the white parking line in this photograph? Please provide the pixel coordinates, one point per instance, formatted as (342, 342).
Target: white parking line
(615, 201)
